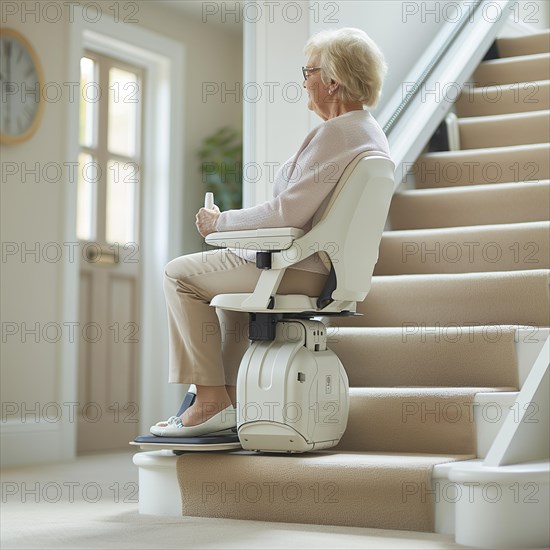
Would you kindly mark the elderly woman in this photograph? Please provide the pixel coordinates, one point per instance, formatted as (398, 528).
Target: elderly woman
(344, 72)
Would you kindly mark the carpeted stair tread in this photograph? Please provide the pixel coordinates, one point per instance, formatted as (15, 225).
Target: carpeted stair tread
(537, 42)
(471, 205)
(385, 491)
(506, 98)
(483, 166)
(481, 248)
(504, 130)
(414, 355)
(507, 70)
(432, 420)
(503, 297)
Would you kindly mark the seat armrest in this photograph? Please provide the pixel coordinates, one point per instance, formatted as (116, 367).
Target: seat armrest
(266, 239)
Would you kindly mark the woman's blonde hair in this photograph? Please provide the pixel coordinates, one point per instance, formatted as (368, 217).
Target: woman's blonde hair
(351, 58)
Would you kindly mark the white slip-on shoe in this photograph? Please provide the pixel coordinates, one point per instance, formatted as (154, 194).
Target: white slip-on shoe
(188, 400)
(166, 423)
(224, 420)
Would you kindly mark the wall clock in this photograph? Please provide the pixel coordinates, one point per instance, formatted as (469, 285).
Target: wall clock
(22, 81)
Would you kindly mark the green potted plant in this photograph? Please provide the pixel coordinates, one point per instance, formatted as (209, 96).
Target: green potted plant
(220, 158)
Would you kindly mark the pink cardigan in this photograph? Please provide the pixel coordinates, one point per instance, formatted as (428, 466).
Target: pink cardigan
(307, 178)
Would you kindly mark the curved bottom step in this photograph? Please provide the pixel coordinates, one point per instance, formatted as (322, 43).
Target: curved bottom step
(502, 507)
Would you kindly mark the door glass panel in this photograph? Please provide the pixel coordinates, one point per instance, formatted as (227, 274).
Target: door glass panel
(121, 201)
(89, 90)
(123, 103)
(86, 197)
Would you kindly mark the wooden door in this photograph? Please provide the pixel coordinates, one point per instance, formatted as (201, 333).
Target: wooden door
(108, 230)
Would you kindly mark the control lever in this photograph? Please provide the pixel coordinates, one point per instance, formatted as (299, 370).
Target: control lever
(209, 201)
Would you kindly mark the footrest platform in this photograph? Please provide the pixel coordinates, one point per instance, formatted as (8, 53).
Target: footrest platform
(220, 442)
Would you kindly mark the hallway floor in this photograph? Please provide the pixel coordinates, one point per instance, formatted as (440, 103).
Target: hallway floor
(92, 503)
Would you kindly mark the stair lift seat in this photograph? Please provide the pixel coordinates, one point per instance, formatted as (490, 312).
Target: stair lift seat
(292, 391)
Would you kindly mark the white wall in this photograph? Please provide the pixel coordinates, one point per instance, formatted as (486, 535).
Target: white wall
(34, 212)
(535, 13)
(32, 215)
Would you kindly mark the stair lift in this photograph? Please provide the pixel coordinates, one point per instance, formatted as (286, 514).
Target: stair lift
(292, 390)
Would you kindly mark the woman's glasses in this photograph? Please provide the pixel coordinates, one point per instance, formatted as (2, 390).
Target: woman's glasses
(307, 70)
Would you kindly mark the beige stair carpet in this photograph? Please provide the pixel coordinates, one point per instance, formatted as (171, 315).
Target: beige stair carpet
(537, 42)
(498, 203)
(415, 420)
(483, 166)
(505, 98)
(504, 130)
(499, 247)
(524, 68)
(385, 491)
(473, 299)
(451, 356)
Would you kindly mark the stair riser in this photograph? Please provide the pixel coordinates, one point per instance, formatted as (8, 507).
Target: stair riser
(429, 421)
(524, 45)
(510, 204)
(512, 70)
(505, 99)
(327, 488)
(417, 301)
(478, 133)
(491, 252)
(413, 356)
(481, 167)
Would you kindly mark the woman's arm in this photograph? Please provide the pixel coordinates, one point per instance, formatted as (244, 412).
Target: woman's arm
(293, 207)
(305, 180)
(317, 168)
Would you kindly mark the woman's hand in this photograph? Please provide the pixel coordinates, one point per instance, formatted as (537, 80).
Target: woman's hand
(206, 220)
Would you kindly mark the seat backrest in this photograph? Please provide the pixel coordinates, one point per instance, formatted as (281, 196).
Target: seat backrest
(349, 225)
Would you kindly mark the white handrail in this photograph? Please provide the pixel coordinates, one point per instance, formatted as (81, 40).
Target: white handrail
(438, 90)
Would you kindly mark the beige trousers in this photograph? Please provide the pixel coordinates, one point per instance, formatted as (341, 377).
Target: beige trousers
(206, 343)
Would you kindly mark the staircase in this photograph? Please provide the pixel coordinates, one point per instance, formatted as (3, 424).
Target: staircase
(448, 333)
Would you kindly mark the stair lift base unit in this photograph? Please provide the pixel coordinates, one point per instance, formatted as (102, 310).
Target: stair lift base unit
(294, 391)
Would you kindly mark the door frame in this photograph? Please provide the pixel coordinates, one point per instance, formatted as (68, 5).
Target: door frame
(163, 60)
